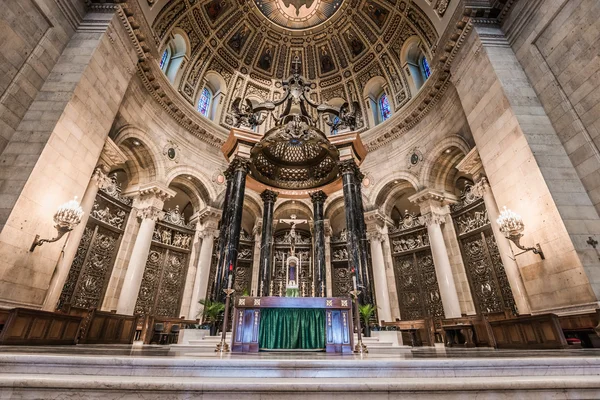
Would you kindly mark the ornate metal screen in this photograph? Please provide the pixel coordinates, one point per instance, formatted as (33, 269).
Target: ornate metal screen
(95, 257)
(341, 276)
(489, 285)
(166, 268)
(416, 282)
(243, 270)
(281, 251)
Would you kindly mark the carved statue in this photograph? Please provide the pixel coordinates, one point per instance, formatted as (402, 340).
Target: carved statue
(245, 114)
(166, 236)
(348, 117)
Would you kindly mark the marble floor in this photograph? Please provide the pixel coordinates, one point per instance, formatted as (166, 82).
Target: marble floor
(164, 372)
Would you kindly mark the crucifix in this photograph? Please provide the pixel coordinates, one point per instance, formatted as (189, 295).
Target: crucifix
(296, 65)
(293, 221)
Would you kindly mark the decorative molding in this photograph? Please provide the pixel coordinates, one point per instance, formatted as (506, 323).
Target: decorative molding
(150, 212)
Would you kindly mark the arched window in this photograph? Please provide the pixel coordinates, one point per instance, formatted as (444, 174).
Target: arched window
(164, 60)
(335, 121)
(425, 67)
(384, 107)
(204, 102)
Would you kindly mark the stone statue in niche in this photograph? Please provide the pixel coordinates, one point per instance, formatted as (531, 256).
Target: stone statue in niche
(340, 254)
(356, 46)
(165, 236)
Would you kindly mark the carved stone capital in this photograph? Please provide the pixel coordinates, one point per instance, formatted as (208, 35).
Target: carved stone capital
(206, 231)
(269, 196)
(433, 201)
(432, 218)
(239, 164)
(471, 164)
(347, 166)
(151, 212)
(101, 178)
(376, 235)
(375, 220)
(208, 215)
(111, 156)
(158, 191)
(318, 197)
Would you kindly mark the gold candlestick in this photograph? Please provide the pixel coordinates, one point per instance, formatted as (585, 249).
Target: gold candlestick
(222, 346)
(360, 347)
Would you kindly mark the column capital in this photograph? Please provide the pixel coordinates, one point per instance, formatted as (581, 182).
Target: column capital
(239, 164)
(269, 196)
(376, 219)
(208, 214)
(111, 156)
(434, 218)
(205, 231)
(318, 197)
(150, 212)
(376, 235)
(347, 166)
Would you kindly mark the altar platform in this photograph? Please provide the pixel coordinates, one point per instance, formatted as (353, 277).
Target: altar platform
(159, 372)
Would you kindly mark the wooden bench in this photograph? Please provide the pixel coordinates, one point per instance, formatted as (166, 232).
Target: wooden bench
(529, 332)
(101, 327)
(419, 331)
(23, 326)
(584, 327)
(146, 324)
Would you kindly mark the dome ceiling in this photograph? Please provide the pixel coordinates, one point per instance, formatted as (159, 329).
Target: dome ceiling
(298, 14)
(342, 46)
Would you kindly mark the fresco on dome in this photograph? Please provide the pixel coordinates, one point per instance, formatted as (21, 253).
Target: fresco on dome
(265, 61)
(326, 61)
(355, 45)
(376, 13)
(239, 39)
(216, 8)
(298, 14)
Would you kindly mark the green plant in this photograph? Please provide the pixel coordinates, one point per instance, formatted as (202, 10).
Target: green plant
(211, 310)
(366, 312)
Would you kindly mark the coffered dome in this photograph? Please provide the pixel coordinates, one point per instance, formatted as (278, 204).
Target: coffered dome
(298, 14)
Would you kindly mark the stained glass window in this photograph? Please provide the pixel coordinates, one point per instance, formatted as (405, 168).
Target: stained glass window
(336, 120)
(425, 67)
(384, 107)
(163, 60)
(204, 102)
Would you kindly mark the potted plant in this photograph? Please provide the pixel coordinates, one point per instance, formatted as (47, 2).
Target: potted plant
(366, 312)
(211, 311)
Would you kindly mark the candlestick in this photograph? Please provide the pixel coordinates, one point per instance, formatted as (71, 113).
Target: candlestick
(354, 281)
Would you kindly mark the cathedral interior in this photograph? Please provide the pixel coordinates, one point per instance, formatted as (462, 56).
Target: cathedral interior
(374, 198)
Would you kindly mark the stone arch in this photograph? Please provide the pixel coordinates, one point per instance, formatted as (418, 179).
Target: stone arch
(252, 210)
(380, 189)
(142, 155)
(201, 183)
(394, 187)
(439, 165)
(335, 212)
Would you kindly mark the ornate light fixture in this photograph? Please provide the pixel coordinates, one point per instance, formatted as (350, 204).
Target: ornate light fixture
(66, 218)
(511, 225)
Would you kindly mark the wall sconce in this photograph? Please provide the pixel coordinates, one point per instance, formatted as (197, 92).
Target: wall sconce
(66, 218)
(511, 225)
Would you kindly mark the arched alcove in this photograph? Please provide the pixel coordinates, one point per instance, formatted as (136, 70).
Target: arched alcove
(175, 53)
(211, 95)
(415, 63)
(377, 100)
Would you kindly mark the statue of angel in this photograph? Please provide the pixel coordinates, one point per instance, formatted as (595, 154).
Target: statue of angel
(245, 114)
(349, 115)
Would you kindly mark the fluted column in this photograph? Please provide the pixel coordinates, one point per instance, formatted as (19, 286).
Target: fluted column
(149, 206)
(207, 232)
(266, 248)
(434, 210)
(473, 166)
(318, 200)
(63, 266)
(239, 169)
(382, 295)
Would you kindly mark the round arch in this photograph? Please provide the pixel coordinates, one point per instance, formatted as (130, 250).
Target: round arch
(142, 155)
(438, 167)
(200, 181)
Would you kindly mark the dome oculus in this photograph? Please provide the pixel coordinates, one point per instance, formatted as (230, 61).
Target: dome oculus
(298, 14)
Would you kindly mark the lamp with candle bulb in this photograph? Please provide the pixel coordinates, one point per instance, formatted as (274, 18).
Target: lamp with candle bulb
(222, 346)
(511, 225)
(66, 218)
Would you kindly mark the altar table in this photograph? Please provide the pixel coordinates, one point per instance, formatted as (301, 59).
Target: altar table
(338, 329)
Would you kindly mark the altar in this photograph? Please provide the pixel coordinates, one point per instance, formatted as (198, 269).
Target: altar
(292, 324)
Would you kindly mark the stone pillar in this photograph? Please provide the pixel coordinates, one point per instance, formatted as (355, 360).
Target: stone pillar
(225, 215)
(318, 200)
(434, 210)
(149, 206)
(239, 167)
(472, 165)
(377, 233)
(257, 232)
(365, 260)
(64, 263)
(266, 248)
(208, 232)
(354, 214)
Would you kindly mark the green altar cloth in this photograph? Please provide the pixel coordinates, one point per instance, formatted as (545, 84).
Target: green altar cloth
(292, 328)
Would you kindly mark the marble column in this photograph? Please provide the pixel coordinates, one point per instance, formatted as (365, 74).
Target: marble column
(240, 167)
(435, 210)
(382, 295)
(63, 266)
(208, 232)
(328, 281)
(225, 217)
(319, 280)
(266, 248)
(365, 260)
(149, 206)
(257, 232)
(473, 166)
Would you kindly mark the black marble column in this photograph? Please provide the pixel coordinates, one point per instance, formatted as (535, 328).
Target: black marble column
(239, 167)
(225, 215)
(318, 200)
(355, 222)
(365, 259)
(266, 246)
